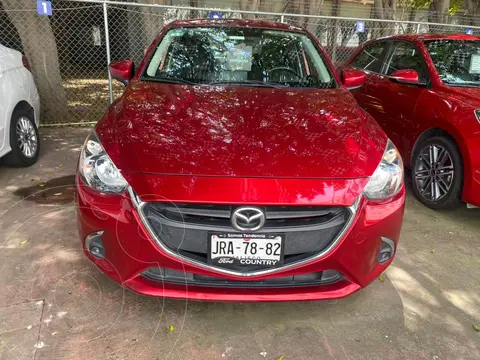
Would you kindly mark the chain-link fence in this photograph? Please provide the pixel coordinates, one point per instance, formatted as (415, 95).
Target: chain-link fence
(69, 51)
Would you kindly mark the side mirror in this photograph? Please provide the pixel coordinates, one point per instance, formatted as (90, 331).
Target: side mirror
(405, 76)
(122, 71)
(353, 78)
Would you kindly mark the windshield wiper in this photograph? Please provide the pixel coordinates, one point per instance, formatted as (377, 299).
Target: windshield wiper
(173, 80)
(462, 84)
(248, 82)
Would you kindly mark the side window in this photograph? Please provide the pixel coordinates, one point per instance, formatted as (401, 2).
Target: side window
(407, 56)
(370, 58)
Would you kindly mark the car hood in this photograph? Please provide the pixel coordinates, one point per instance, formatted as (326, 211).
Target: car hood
(228, 131)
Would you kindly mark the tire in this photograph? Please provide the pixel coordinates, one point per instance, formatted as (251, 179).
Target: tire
(25, 150)
(439, 186)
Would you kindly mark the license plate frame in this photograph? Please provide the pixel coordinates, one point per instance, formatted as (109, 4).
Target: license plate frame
(242, 260)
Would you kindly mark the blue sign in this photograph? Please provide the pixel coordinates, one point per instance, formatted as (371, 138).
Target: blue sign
(215, 15)
(44, 7)
(360, 25)
(469, 32)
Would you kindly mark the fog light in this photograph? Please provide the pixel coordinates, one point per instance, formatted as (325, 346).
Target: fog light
(330, 276)
(94, 245)
(386, 250)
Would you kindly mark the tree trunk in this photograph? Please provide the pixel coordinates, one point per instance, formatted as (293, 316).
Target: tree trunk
(383, 9)
(136, 36)
(153, 19)
(439, 11)
(249, 5)
(412, 28)
(40, 48)
(313, 7)
(194, 13)
(473, 11)
(278, 6)
(334, 31)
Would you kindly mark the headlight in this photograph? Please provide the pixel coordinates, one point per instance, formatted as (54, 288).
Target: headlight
(387, 180)
(97, 170)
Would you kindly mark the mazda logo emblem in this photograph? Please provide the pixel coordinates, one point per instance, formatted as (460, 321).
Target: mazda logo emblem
(248, 219)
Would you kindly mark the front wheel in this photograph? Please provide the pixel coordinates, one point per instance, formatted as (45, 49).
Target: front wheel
(437, 173)
(24, 140)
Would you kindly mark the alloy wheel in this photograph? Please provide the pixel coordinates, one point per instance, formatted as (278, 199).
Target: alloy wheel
(434, 172)
(26, 137)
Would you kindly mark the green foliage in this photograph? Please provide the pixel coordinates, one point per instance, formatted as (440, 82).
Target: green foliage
(455, 5)
(419, 4)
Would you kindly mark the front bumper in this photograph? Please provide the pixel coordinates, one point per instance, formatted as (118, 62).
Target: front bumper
(471, 188)
(130, 250)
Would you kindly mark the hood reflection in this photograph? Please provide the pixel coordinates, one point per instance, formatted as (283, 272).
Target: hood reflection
(242, 131)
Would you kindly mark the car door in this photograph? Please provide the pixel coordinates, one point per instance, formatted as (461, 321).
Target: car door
(7, 62)
(394, 102)
(370, 61)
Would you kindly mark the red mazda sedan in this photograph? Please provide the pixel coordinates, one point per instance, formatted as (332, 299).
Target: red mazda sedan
(424, 90)
(236, 167)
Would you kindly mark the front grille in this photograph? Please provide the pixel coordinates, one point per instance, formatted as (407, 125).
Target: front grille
(277, 217)
(183, 228)
(177, 277)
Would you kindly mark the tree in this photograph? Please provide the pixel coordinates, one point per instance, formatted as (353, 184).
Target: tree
(153, 19)
(40, 48)
(334, 31)
(472, 8)
(385, 10)
(194, 13)
(439, 11)
(249, 5)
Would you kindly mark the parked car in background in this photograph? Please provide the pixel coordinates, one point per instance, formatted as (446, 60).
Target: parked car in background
(236, 167)
(19, 110)
(424, 90)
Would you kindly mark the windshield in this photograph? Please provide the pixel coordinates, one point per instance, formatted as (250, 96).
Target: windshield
(240, 56)
(457, 61)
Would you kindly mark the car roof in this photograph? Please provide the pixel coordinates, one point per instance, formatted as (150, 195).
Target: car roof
(422, 37)
(265, 24)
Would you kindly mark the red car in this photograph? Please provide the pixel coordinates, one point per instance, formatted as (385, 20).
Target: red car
(236, 167)
(424, 90)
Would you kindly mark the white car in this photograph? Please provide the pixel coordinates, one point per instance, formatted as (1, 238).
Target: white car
(19, 110)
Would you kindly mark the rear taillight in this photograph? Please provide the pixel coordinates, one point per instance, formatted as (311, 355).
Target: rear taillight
(26, 63)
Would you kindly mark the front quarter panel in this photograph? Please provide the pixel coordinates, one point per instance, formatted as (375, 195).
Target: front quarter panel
(440, 109)
(16, 85)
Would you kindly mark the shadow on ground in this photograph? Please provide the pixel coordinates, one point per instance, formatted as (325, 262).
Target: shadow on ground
(54, 304)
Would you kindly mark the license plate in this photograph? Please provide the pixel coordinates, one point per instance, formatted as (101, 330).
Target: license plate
(233, 250)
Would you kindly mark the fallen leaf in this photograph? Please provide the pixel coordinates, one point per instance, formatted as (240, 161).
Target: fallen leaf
(58, 194)
(42, 185)
(476, 328)
(60, 165)
(279, 358)
(432, 251)
(23, 242)
(171, 328)
(381, 278)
